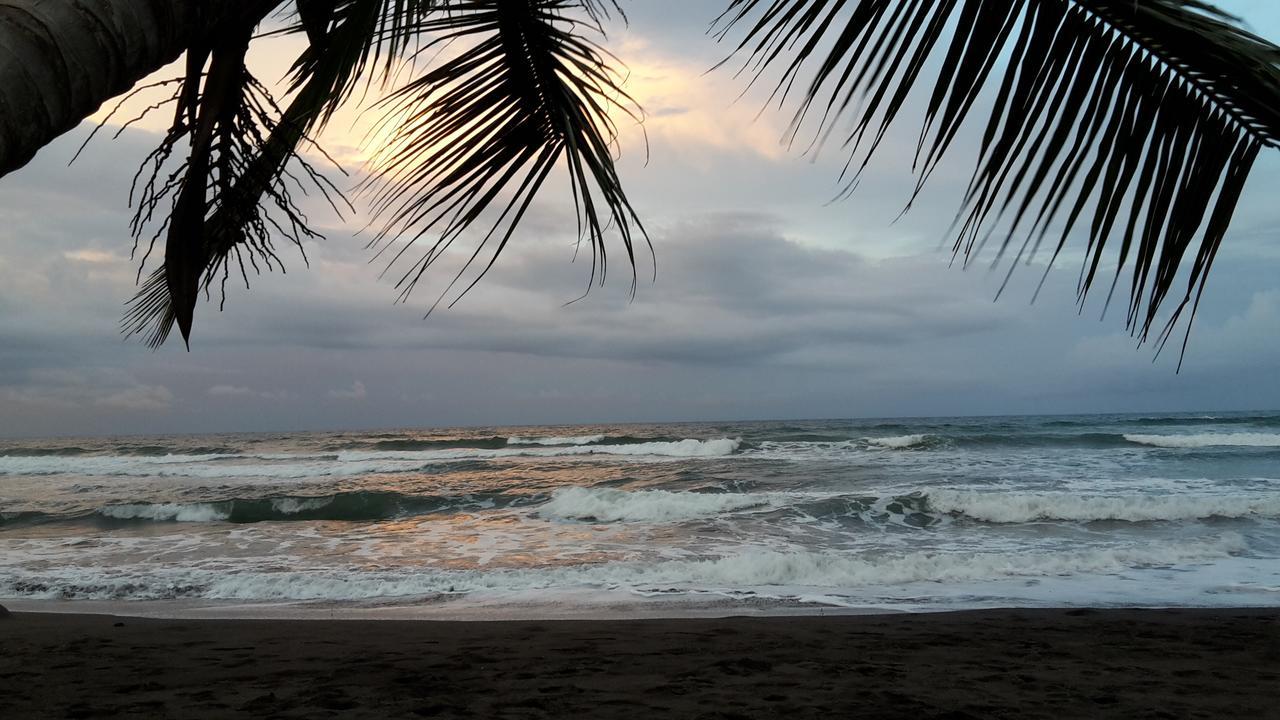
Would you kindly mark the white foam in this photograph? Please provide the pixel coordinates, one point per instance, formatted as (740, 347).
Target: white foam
(345, 464)
(674, 449)
(610, 505)
(556, 440)
(174, 512)
(900, 442)
(199, 466)
(765, 573)
(678, 449)
(1006, 507)
(1201, 440)
(828, 569)
(293, 506)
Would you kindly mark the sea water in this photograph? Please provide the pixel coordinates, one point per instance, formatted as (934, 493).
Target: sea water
(938, 513)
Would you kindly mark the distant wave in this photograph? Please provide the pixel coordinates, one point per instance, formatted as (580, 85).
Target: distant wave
(424, 444)
(1264, 420)
(345, 463)
(555, 440)
(70, 450)
(182, 454)
(1204, 440)
(760, 573)
(229, 467)
(1004, 507)
(171, 451)
(689, 448)
(491, 442)
(1029, 440)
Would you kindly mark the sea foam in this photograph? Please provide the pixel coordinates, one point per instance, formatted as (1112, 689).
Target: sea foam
(173, 512)
(347, 463)
(1006, 507)
(610, 505)
(900, 442)
(556, 440)
(759, 572)
(1204, 440)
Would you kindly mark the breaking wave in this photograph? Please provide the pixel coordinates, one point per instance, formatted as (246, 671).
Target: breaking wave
(345, 463)
(675, 449)
(900, 442)
(556, 440)
(1205, 440)
(609, 505)
(363, 506)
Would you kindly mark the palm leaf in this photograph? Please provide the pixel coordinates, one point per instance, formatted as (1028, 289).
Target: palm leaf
(479, 135)
(563, 113)
(1137, 122)
(346, 37)
(230, 195)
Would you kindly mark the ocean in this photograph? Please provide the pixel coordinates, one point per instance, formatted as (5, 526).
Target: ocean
(721, 518)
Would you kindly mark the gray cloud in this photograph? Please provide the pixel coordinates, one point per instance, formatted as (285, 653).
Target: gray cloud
(355, 392)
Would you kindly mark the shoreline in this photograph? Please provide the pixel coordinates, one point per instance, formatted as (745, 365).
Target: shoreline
(542, 610)
(1077, 662)
(534, 610)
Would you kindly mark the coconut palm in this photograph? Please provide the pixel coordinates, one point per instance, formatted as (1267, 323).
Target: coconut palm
(1128, 126)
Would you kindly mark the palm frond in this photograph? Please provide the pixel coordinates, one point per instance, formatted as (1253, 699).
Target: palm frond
(352, 43)
(560, 86)
(1138, 121)
(485, 128)
(227, 198)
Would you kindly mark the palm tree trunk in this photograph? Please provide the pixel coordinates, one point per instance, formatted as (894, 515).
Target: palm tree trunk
(61, 59)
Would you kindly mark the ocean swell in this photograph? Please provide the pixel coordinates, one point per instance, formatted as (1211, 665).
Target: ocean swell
(359, 506)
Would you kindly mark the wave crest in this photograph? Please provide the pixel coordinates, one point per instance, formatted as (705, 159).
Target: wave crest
(556, 440)
(1205, 440)
(610, 505)
(899, 442)
(360, 506)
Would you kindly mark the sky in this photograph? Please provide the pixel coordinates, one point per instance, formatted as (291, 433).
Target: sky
(769, 302)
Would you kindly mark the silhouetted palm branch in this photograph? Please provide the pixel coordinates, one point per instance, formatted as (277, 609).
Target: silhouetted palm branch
(345, 37)
(486, 127)
(545, 93)
(1140, 119)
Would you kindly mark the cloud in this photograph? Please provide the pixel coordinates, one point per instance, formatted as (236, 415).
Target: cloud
(140, 398)
(237, 391)
(355, 392)
(230, 391)
(75, 390)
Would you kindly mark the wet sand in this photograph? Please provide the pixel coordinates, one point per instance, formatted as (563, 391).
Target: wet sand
(983, 664)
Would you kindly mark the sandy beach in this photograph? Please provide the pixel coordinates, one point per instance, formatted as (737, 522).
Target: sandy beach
(981, 664)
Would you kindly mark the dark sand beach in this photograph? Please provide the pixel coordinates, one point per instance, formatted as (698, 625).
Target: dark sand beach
(982, 664)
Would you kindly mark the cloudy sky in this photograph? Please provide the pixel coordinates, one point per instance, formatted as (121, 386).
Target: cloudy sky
(769, 302)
